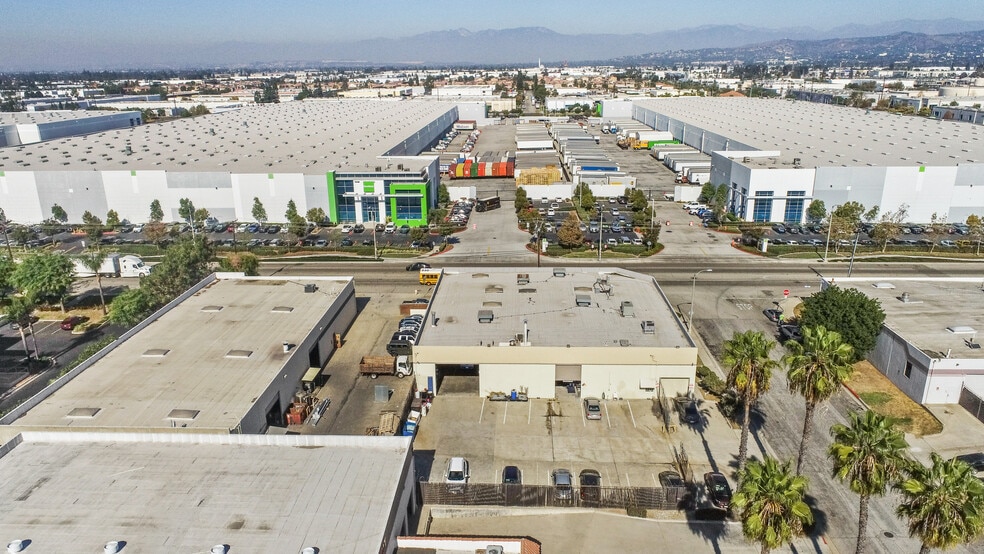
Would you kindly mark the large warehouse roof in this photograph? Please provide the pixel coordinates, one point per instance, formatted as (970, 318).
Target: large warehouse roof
(822, 135)
(935, 315)
(310, 137)
(201, 364)
(74, 492)
(27, 118)
(581, 308)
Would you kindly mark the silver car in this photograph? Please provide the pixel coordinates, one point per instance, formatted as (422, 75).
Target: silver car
(592, 408)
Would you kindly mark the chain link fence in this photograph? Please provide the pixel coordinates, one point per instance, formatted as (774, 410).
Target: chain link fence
(482, 494)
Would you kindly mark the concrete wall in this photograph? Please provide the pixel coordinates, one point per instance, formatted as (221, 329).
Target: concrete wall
(404, 505)
(609, 381)
(537, 379)
(890, 355)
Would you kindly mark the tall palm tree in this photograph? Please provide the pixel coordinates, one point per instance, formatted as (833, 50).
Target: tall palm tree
(93, 260)
(749, 373)
(944, 503)
(870, 456)
(771, 503)
(817, 368)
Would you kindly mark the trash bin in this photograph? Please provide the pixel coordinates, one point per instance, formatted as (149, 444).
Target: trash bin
(512, 395)
(570, 388)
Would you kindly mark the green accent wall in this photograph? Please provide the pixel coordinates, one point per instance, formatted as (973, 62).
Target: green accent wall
(332, 199)
(421, 189)
(368, 187)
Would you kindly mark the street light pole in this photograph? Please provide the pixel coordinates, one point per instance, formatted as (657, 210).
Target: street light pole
(601, 225)
(693, 293)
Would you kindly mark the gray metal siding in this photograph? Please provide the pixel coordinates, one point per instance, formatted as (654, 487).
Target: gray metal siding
(75, 191)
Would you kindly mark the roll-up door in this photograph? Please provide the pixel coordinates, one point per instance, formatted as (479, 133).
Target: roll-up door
(568, 373)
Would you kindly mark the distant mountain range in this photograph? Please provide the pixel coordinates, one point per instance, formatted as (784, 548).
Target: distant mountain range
(518, 46)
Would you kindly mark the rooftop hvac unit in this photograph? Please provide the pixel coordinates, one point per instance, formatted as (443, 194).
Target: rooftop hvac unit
(485, 316)
(582, 300)
(310, 287)
(796, 161)
(649, 327)
(627, 309)
(494, 549)
(559, 272)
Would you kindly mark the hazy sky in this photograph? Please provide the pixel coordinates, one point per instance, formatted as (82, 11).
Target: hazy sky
(182, 21)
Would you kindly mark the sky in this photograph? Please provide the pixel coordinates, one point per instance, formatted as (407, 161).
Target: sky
(184, 21)
(111, 34)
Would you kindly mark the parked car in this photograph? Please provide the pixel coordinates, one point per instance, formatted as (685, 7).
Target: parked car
(975, 460)
(671, 479)
(358, 228)
(273, 229)
(590, 485)
(772, 314)
(511, 475)
(790, 332)
(347, 242)
(563, 483)
(390, 228)
(346, 228)
(718, 490)
(592, 408)
(404, 229)
(689, 413)
(417, 266)
(73, 321)
(457, 474)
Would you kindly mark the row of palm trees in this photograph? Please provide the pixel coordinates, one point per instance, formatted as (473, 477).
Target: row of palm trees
(944, 503)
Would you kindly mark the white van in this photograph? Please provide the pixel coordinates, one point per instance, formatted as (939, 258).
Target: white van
(457, 474)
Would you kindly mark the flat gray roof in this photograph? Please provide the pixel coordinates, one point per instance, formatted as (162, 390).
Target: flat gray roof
(822, 135)
(213, 354)
(309, 137)
(549, 306)
(933, 305)
(74, 492)
(25, 118)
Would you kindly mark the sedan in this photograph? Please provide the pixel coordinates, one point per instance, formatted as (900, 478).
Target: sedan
(347, 242)
(975, 460)
(273, 229)
(73, 321)
(590, 481)
(417, 266)
(563, 483)
(511, 475)
(592, 408)
(718, 490)
(346, 228)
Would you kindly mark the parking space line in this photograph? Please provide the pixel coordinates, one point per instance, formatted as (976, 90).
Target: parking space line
(584, 422)
(627, 482)
(655, 482)
(505, 410)
(482, 413)
(629, 404)
(607, 417)
(529, 413)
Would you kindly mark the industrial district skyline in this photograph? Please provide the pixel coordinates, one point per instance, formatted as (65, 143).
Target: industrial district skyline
(100, 34)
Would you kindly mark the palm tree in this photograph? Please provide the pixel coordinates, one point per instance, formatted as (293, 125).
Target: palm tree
(870, 455)
(944, 503)
(93, 260)
(747, 356)
(771, 501)
(817, 368)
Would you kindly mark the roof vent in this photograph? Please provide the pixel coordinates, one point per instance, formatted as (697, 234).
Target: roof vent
(627, 309)
(883, 285)
(497, 289)
(649, 327)
(485, 316)
(906, 299)
(87, 413)
(522, 278)
(112, 547)
(239, 354)
(310, 287)
(183, 414)
(624, 342)
(283, 309)
(582, 300)
(212, 308)
(156, 353)
(559, 272)
(961, 330)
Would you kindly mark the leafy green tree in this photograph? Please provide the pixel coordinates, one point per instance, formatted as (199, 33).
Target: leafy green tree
(186, 210)
(7, 266)
(187, 262)
(44, 276)
(245, 262)
(316, 215)
(112, 219)
(889, 227)
(92, 260)
(291, 213)
(259, 212)
(844, 221)
(650, 235)
(976, 229)
(750, 373)
(569, 235)
(936, 230)
(856, 317)
(582, 196)
(201, 214)
(522, 200)
(771, 503)
(944, 503)
(638, 201)
(58, 213)
(443, 196)
(156, 213)
(417, 233)
(871, 214)
(817, 368)
(297, 226)
(92, 226)
(130, 307)
(707, 191)
(817, 211)
(869, 455)
(19, 310)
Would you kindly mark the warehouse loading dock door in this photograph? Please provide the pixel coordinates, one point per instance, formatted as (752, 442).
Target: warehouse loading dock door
(457, 379)
(568, 373)
(675, 387)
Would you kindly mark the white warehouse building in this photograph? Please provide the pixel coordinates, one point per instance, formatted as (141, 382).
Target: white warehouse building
(777, 156)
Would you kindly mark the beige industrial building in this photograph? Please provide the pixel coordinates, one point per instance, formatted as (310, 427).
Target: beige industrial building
(607, 332)
(79, 491)
(227, 356)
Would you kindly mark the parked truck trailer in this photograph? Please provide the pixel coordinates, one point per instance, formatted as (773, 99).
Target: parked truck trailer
(113, 265)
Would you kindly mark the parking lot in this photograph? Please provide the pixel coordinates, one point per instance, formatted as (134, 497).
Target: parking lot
(627, 446)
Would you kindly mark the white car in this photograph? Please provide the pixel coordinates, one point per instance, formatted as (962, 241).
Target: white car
(551, 212)
(457, 474)
(347, 228)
